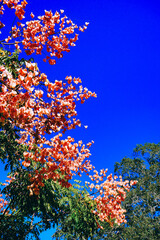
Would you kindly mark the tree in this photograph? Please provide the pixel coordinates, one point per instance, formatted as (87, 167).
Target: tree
(34, 115)
(142, 203)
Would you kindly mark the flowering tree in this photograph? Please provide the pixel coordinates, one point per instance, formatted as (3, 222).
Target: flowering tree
(34, 115)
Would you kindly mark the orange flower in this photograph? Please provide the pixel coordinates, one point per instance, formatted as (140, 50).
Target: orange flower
(32, 15)
(52, 61)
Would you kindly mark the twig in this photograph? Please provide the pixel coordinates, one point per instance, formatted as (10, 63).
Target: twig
(9, 43)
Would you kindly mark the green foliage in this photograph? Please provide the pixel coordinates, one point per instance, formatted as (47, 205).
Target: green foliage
(79, 222)
(143, 201)
(69, 209)
(10, 150)
(10, 60)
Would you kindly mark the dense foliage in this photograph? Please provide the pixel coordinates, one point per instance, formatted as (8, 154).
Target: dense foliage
(142, 203)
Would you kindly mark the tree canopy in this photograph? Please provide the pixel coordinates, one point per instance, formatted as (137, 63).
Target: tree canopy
(142, 202)
(35, 115)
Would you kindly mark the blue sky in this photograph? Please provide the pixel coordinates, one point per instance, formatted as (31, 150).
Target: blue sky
(118, 57)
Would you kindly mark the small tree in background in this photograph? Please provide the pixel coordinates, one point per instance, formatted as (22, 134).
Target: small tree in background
(142, 202)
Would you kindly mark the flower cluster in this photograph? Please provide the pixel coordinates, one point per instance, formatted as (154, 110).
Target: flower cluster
(3, 204)
(109, 195)
(52, 34)
(18, 5)
(22, 104)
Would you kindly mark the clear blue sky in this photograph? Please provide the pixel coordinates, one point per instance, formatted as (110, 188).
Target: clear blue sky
(118, 57)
